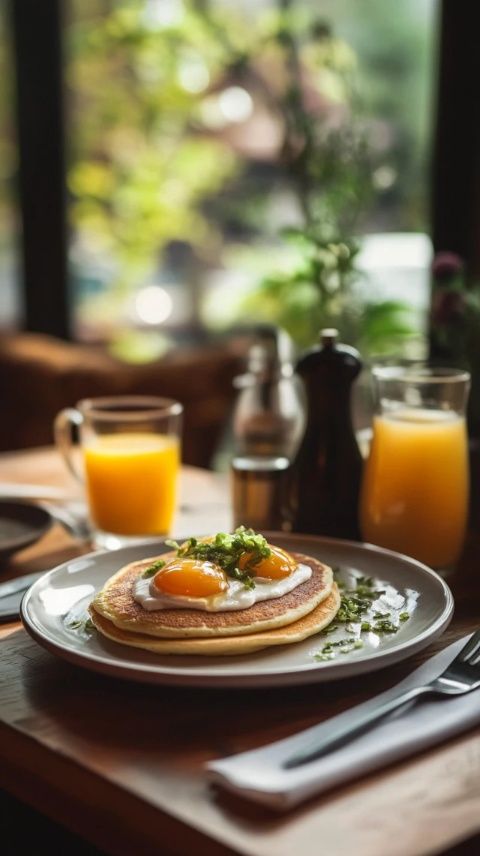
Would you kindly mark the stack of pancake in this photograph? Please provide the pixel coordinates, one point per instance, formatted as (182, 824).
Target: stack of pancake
(292, 617)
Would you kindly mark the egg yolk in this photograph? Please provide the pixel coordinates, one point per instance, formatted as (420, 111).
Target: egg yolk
(276, 566)
(190, 577)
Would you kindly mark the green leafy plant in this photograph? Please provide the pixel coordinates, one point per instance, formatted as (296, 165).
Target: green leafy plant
(150, 167)
(328, 166)
(139, 168)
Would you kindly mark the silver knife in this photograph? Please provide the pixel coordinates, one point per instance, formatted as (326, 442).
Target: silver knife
(19, 584)
(20, 490)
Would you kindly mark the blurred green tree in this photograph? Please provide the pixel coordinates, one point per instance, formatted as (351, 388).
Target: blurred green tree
(138, 171)
(152, 162)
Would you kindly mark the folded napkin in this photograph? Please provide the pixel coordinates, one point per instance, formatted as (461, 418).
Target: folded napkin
(259, 776)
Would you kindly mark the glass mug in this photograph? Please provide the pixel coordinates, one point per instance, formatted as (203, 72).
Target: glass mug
(414, 496)
(131, 455)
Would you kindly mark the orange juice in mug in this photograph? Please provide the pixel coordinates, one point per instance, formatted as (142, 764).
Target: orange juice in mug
(414, 496)
(131, 455)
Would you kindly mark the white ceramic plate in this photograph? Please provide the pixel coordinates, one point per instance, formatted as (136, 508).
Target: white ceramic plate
(50, 609)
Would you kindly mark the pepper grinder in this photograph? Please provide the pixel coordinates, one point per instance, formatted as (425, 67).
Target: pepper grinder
(328, 464)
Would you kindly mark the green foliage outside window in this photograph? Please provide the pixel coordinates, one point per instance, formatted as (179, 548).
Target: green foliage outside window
(138, 170)
(148, 167)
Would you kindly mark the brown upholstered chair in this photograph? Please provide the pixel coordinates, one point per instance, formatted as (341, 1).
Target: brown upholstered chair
(39, 375)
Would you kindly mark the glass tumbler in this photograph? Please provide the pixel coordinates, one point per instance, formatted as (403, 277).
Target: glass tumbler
(415, 490)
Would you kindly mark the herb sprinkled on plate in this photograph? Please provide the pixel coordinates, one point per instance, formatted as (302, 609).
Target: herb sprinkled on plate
(358, 613)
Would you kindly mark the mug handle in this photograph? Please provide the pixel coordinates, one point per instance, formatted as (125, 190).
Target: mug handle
(63, 426)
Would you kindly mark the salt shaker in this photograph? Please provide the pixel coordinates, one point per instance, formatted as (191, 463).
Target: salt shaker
(328, 464)
(268, 425)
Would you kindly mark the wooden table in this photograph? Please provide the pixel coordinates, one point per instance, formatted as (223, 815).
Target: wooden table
(122, 764)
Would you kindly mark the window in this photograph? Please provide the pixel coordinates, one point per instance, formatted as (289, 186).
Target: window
(176, 176)
(10, 297)
(178, 163)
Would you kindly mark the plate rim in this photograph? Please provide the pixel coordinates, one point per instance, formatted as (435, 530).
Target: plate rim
(277, 676)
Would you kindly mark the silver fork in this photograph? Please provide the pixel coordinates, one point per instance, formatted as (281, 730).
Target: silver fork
(461, 676)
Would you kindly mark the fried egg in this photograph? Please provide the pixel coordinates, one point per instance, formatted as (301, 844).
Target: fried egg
(185, 582)
(116, 603)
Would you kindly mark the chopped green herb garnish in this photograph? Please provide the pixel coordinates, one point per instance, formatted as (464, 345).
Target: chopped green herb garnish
(354, 646)
(358, 613)
(330, 629)
(385, 626)
(153, 568)
(226, 550)
(80, 624)
(344, 646)
(351, 628)
(366, 581)
(243, 577)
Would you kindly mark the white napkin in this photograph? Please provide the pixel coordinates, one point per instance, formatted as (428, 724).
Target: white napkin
(259, 776)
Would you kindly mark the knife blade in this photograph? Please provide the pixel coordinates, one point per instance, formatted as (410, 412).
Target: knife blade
(19, 584)
(20, 490)
(10, 606)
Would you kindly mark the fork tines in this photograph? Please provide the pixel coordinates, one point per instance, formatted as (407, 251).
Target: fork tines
(471, 652)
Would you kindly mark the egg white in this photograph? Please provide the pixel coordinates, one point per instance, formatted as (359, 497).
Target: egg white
(236, 596)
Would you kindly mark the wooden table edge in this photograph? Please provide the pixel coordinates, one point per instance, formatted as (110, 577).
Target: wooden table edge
(86, 800)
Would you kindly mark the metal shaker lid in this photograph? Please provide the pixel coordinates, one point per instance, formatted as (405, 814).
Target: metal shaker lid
(328, 336)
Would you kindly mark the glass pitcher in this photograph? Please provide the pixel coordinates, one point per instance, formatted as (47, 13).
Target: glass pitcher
(414, 496)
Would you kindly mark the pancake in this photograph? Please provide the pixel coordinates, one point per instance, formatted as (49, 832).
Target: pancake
(310, 624)
(115, 602)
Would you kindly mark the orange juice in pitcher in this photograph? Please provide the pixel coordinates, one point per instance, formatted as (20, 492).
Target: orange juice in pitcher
(414, 496)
